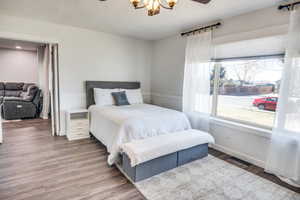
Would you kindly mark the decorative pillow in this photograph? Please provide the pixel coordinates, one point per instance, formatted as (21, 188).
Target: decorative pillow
(120, 98)
(134, 96)
(103, 97)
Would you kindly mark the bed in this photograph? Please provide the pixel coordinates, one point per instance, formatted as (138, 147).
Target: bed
(116, 125)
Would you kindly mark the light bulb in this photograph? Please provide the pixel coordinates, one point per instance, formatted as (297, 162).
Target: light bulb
(155, 4)
(172, 3)
(146, 3)
(135, 3)
(150, 5)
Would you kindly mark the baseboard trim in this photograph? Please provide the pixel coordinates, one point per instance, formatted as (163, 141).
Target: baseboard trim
(239, 155)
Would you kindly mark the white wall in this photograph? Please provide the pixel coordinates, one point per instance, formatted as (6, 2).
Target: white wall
(86, 55)
(89, 55)
(168, 70)
(18, 66)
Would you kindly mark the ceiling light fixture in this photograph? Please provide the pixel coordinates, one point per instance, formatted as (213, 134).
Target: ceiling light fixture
(153, 6)
(18, 47)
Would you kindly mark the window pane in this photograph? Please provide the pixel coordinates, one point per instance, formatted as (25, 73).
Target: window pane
(248, 90)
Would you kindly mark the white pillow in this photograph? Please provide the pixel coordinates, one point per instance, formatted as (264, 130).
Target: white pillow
(134, 96)
(103, 97)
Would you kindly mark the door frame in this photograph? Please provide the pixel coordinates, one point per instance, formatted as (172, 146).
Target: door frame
(39, 39)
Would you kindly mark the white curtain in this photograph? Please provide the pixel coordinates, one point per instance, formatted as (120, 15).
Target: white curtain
(284, 155)
(49, 83)
(53, 90)
(44, 73)
(196, 87)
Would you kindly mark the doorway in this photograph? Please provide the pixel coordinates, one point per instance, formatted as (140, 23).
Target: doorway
(29, 83)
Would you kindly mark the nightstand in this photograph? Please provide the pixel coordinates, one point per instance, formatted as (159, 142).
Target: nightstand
(77, 124)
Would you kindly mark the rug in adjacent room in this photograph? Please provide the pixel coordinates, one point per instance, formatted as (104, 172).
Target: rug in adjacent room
(212, 179)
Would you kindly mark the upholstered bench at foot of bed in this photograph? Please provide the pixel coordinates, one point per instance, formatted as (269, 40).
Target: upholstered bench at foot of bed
(162, 164)
(180, 154)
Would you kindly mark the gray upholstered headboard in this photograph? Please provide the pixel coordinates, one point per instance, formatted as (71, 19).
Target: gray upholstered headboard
(90, 85)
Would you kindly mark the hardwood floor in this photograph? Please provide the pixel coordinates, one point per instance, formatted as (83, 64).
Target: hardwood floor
(36, 166)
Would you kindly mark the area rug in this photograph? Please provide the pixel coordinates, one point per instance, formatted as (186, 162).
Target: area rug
(212, 179)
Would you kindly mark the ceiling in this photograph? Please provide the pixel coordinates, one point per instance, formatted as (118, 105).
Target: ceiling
(118, 16)
(12, 44)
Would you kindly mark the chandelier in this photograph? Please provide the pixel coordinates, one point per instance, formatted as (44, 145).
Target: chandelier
(153, 6)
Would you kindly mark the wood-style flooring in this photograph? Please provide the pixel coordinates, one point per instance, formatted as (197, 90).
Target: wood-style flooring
(36, 166)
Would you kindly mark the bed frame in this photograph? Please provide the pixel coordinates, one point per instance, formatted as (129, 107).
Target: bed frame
(90, 85)
(152, 167)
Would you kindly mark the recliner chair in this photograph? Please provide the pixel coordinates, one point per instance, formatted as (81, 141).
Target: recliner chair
(20, 101)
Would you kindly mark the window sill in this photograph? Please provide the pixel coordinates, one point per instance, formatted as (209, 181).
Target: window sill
(242, 127)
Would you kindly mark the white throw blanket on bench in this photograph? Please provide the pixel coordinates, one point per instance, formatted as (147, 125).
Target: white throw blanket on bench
(140, 151)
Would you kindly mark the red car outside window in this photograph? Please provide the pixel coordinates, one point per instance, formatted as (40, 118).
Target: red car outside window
(266, 103)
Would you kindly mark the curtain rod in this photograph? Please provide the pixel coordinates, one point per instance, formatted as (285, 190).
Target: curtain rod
(280, 55)
(216, 25)
(288, 6)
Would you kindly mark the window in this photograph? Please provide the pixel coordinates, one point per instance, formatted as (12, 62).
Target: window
(246, 90)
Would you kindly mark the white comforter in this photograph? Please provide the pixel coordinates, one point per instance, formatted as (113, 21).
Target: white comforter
(115, 125)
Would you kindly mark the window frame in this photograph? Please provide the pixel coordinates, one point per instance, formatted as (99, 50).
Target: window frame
(216, 67)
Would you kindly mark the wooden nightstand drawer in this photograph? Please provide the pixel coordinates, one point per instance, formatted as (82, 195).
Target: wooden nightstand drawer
(79, 123)
(80, 133)
(79, 129)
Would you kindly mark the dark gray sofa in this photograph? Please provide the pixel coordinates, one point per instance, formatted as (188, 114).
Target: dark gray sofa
(19, 100)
